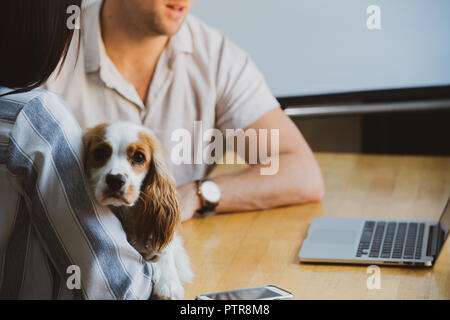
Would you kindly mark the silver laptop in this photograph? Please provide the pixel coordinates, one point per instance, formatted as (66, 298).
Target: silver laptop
(375, 241)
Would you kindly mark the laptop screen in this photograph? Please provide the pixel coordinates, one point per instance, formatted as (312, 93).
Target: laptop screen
(444, 224)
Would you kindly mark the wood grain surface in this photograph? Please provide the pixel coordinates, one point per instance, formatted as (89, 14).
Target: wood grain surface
(241, 250)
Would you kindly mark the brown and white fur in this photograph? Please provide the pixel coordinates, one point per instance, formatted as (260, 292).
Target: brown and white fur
(126, 167)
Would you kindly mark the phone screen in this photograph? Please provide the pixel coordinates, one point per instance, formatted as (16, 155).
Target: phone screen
(245, 294)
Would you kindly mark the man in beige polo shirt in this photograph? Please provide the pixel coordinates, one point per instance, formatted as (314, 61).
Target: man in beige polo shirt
(149, 62)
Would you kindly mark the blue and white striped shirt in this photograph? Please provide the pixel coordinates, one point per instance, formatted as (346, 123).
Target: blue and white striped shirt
(48, 219)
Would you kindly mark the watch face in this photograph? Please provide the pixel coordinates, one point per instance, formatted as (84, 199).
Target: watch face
(211, 191)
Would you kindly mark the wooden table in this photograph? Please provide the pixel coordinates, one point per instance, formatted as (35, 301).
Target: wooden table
(240, 250)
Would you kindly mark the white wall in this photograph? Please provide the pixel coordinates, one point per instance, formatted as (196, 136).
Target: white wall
(320, 46)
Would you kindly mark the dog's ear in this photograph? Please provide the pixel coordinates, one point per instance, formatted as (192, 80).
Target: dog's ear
(91, 136)
(157, 212)
(88, 136)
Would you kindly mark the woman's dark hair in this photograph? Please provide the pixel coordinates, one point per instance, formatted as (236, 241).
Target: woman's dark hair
(34, 36)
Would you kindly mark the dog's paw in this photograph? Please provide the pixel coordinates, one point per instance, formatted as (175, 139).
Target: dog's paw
(168, 290)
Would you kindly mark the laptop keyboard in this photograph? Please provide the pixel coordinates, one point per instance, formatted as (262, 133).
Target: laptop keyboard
(397, 240)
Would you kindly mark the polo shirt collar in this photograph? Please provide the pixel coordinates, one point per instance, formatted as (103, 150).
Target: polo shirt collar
(182, 41)
(97, 60)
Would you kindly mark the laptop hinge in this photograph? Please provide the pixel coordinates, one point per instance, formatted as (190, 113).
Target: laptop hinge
(433, 237)
(442, 236)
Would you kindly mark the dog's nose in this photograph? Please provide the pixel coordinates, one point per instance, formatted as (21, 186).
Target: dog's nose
(115, 182)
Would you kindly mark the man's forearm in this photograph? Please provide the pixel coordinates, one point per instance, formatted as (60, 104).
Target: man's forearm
(298, 180)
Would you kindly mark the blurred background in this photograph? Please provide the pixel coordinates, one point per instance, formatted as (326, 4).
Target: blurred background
(347, 87)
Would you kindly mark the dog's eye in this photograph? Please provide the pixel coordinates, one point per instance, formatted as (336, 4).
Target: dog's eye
(101, 154)
(138, 158)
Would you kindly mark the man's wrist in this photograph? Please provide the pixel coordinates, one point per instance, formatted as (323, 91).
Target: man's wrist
(198, 199)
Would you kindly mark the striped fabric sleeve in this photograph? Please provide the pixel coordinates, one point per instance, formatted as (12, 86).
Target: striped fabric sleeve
(45, 148)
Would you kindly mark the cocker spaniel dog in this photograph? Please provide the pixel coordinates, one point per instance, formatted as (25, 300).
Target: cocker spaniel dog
(126, 167)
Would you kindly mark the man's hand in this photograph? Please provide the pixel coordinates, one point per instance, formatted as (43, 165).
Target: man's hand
(189, 200)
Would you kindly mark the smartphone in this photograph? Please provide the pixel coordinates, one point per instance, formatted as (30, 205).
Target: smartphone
(259, 293)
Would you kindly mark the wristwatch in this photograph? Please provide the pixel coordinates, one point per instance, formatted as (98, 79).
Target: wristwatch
(209, 193)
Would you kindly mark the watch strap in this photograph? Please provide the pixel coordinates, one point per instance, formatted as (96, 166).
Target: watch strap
(208, 207)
